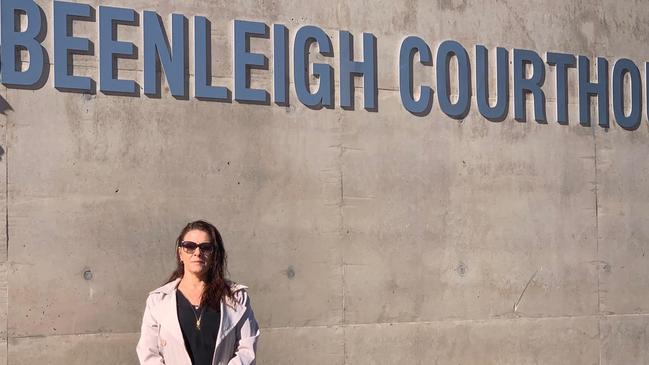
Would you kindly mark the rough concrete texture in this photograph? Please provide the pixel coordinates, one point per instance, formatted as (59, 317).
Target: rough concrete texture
(365, 237)
(100, 348)
(625, 339)
(503, 341)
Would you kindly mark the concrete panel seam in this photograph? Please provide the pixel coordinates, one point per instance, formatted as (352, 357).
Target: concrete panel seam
(6, 154)
(599, 338)
(90, 334)
(341, 155)
(487, 320)
(6, 158)
(599, 302)
(356, 325)
(459, 321)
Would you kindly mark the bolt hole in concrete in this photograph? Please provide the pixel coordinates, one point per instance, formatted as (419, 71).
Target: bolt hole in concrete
(290, 272)
(461, 269)
(87, 274)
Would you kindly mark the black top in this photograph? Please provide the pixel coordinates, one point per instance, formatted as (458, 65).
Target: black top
(199, 343)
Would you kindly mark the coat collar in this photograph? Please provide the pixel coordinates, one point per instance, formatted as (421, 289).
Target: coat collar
(172, 286)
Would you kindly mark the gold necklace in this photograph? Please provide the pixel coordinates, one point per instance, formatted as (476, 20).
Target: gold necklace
(198, 318)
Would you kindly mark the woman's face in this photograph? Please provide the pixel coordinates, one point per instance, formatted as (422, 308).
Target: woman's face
(198, 261)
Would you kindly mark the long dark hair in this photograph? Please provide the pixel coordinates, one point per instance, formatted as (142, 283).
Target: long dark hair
(217, 287)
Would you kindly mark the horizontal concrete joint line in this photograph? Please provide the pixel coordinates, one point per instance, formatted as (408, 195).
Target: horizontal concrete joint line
(360, 197)
(518, 318)
(90, 334)
(354, 325)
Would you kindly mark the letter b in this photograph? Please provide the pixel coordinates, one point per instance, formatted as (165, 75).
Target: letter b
(12, 41)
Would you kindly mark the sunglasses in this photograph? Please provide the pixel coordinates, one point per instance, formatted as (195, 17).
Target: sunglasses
(190, 247)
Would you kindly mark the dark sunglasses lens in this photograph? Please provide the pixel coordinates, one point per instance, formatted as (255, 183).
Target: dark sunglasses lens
(189, 246)
(206, 247)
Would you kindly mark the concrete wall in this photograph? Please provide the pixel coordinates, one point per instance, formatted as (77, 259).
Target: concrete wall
(365, 238)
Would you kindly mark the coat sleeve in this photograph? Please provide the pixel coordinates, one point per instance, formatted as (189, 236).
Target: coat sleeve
(247, 334)
(147, 347)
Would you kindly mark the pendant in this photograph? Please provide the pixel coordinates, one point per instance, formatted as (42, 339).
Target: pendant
(198, 324)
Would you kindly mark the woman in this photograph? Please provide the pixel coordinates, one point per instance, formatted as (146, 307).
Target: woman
(199, 317)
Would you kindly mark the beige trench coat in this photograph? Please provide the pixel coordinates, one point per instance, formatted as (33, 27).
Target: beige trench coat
(161, 340)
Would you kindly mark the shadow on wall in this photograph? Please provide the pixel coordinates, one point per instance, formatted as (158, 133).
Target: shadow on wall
(4, 106)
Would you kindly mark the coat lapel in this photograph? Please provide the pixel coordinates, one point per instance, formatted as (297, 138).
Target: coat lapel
(170, 314)
(230, 317)
(169, 317)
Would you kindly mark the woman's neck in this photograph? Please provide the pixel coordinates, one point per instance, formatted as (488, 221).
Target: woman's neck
(192, 281)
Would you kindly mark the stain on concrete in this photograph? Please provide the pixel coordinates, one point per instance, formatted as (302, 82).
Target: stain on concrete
(452, 5)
